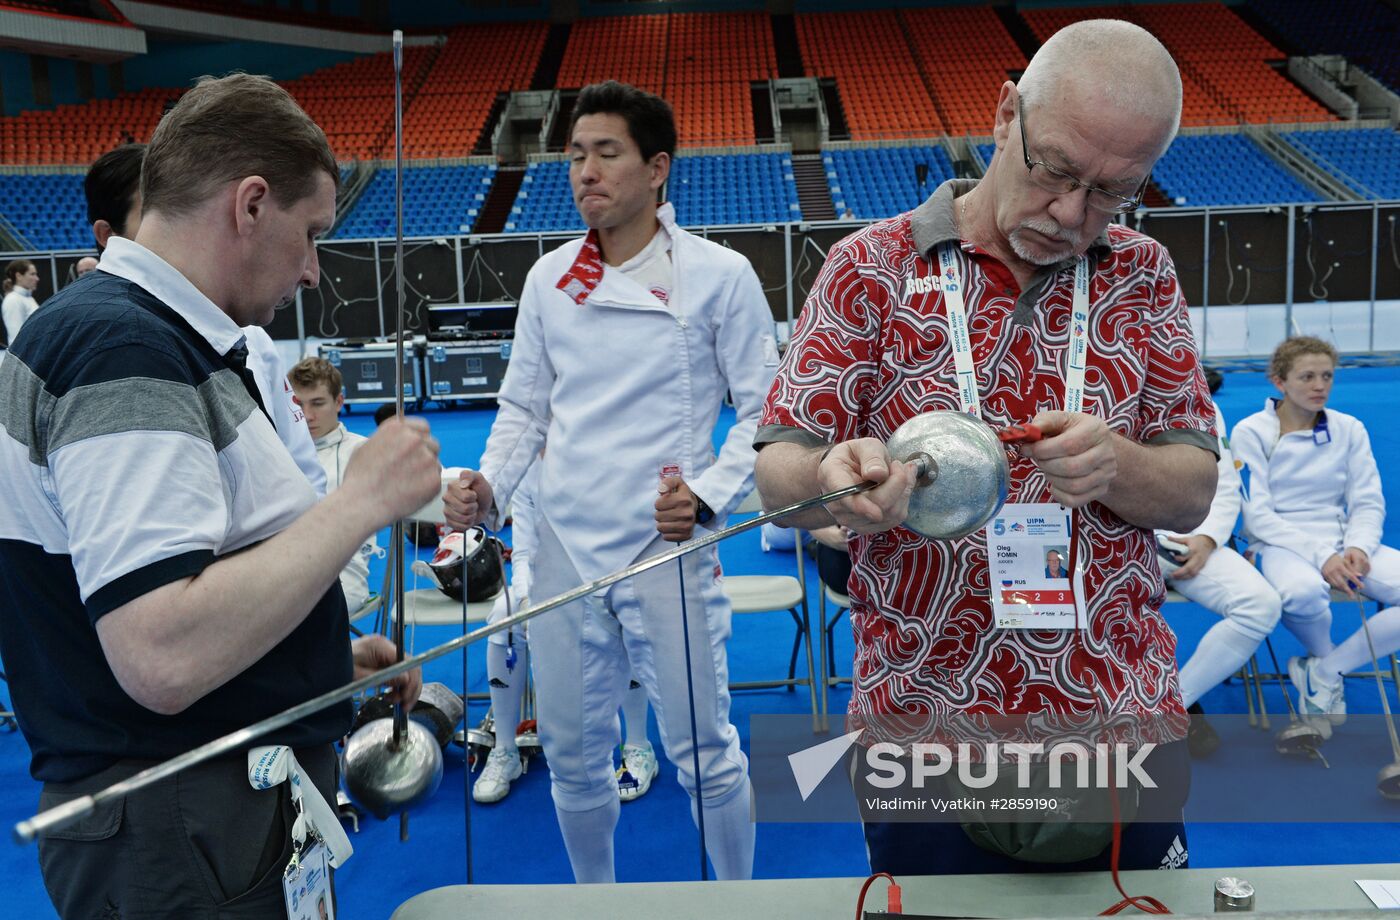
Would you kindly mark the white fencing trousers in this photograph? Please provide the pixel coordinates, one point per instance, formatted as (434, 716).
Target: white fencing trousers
(585, 652)
(1307, 607)
(1229, 586)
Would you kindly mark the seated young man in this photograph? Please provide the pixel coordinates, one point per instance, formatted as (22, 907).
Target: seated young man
(1315, 511)
(316, 387)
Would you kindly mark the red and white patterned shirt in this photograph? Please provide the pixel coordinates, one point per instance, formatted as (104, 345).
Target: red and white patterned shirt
(871, 351)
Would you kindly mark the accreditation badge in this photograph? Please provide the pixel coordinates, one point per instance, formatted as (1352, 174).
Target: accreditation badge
(306, 883)
(1032, 586)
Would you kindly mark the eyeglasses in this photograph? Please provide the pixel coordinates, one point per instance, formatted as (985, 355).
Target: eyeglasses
(1056, 180)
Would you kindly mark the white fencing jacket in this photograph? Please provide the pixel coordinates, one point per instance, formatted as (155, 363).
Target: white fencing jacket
(287, 418)
(333, 453)
(1219, 524)
(620, 384)
(1314, 492)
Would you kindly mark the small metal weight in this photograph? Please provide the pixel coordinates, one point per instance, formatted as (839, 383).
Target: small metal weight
(1233, 895)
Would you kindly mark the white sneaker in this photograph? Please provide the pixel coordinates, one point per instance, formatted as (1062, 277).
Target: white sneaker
(638, 769)
(502, 768)
(1323, 703)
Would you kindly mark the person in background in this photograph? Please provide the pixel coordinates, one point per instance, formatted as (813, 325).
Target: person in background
(1314, 512)
(1204, 567)
(21, 280)
(316, 388)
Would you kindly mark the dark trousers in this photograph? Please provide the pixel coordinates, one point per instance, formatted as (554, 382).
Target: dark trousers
(200, 844)
(942, 848)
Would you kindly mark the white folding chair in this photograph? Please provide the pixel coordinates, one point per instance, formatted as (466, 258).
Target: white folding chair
(768, 593)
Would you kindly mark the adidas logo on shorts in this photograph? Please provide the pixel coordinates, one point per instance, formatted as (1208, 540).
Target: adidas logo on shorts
(1176, 855)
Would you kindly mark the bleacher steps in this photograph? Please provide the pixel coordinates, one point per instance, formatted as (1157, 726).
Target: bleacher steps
(350, 191)
(499, 200)
(787, 47)
(1154, 197)
(765, 122)
(1299, 164)
(559, 130)
(547, 72)
(11, 240)
(1322, 75)
(966, 163)
(813, 193)
(838, 130)
(1019, 29)
(488, 130)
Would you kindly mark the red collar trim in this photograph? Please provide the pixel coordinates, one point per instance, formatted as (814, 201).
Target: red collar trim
(586, 273)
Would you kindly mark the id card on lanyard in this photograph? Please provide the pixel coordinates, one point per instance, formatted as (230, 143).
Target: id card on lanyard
(1029, 544)
(319, 842)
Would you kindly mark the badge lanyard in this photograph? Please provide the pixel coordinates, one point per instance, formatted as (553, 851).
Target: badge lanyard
(961, 340)
(1041, 515)
(319, 842)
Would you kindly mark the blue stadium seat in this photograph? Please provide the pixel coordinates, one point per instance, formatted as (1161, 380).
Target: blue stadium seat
(878, 182)
(1367, 160)
(436, 200)
(544, 203)
(49, 209)
(1363, 31)
(1207, 170)
(706, 190)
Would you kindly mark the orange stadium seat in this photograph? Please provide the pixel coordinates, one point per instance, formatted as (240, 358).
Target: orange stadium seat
(702, 63)
(881, 89)
(353, 102)
(1226, 75)
(967, 54)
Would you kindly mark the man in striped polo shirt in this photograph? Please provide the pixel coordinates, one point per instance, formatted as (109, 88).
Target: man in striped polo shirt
(166, 571)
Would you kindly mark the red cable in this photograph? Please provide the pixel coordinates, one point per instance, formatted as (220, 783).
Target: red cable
(895, 902)
(1147, 905)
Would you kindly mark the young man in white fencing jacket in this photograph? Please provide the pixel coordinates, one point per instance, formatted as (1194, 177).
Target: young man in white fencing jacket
(626, 343)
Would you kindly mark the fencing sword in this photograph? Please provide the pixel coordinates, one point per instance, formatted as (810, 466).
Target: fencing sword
(1300, 736)
(942, 446)
(390, 764)
(1388, 780)
(690, 698)
(400, 714)
(694, 739)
